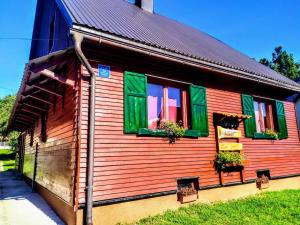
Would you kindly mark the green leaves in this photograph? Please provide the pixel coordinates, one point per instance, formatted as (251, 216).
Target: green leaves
(173, 130)
(283, 62)
(6, 105)
(272, 133)
(224, 159)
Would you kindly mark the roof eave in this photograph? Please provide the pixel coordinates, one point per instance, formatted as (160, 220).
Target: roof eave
(100, 37)
(34, 63)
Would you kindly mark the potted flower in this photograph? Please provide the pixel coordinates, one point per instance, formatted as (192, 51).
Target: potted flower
(271, 133)
(229, 159)
(267, 134)
(262, 182)
(173, 130)
(187, 193)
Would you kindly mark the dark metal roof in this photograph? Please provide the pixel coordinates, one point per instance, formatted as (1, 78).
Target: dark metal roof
(124, 19)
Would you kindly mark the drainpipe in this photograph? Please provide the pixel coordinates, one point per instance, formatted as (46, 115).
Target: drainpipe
(78, 38)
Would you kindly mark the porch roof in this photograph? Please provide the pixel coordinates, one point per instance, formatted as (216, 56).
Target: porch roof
(43, 82)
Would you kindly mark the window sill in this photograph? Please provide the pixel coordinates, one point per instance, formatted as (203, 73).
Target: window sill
(263, 136)
(161, 133)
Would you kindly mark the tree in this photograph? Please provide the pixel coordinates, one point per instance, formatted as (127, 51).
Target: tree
(283, 62)
(6, 105)
(13, 139)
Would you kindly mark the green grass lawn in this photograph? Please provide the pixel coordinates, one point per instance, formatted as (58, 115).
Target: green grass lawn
(7, 159)
(268, 208)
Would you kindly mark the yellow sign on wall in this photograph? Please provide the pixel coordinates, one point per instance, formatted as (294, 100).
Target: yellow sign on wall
(230, 146)
(228, 133)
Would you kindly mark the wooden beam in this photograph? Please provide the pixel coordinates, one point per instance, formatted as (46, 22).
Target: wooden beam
(34, 107)
(31, 91)
(47, 90)
(31, 117)
(49, 63)
(23, 122)
(51, 59)
(19, 127)
(26, 117)
(15, 124)
(35, 78)
(17, 117)
(25, 114)
(57, 77)
(40, 99)
(28, 111)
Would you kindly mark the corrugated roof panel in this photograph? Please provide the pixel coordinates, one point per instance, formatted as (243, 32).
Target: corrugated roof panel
(127, 20)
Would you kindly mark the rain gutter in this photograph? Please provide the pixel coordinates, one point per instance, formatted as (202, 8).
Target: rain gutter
(121, 42)
(78, 39)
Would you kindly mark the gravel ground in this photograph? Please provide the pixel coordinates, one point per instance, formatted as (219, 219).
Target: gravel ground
(19, 206)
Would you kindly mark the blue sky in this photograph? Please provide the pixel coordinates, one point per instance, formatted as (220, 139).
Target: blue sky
(254, 27)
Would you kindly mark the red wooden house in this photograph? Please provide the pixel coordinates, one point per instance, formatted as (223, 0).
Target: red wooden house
(103, 75)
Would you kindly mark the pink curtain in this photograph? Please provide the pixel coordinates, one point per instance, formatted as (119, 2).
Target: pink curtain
(152, 112)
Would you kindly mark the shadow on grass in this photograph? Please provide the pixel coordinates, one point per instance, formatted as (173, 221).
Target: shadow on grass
(7, 159)
(11, 164)
(8, 156)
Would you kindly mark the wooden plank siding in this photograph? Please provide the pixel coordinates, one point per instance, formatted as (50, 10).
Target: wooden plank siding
(56, 158)
(126, 165)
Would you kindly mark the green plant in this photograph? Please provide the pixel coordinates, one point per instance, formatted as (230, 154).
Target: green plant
(6, 105)
(173, 130)
(267, 208)
(271, 133)
(224, 159)
(7, 159)
(13, 140)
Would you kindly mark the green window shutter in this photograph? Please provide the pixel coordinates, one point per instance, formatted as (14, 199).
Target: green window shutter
(199, 118)
(282, 127)
(248, 109)
(135, 102)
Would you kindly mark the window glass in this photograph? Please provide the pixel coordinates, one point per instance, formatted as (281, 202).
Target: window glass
(257, 116)
(155, 105)
(174, 105)
(166, 103)
(263, 115)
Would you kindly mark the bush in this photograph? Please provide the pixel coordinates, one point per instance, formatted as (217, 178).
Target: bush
(13, 140)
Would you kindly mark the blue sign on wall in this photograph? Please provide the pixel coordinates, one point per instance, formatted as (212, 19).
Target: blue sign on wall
(103, 71)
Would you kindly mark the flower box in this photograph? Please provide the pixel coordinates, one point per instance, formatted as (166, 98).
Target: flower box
(187, 192)
(187, 198)
(262, 182)
(227, 165)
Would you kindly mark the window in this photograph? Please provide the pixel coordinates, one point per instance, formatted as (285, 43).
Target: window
(264, 117)
(148, 103)
(265, 114)
(167, 102)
